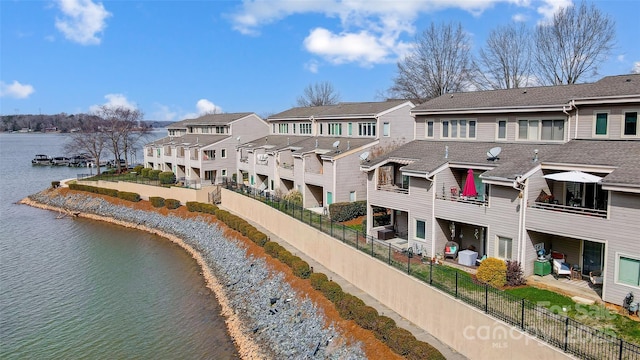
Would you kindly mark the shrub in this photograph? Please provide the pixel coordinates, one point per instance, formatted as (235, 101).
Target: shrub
(154, 174)
(145, 172)
(138, 169)
(156, 201)
(348, 306)
(332, 291)
(317, 279)
(347, 210)
(172, 204)
(366, 317)
(400, 340)
(492, 271)
(167, 177)
(301, 268)
(382, 326)
(273, 248)
(129, 196)
(422, 350)
(514, 274)
(259, 237)
(294, 197)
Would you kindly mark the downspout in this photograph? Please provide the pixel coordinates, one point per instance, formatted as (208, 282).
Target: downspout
(523, 230)
(433, 214)
(519, 185)
(572, 105)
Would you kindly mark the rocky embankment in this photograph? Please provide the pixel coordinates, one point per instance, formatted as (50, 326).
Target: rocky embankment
(265, 316)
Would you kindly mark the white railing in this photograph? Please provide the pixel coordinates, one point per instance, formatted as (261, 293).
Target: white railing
(392, 188)
(569, 209)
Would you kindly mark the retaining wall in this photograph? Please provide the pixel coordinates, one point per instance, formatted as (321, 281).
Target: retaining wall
(462, 327)
(144, 190)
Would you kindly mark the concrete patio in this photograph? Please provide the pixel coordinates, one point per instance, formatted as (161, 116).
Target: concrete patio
(578, 290)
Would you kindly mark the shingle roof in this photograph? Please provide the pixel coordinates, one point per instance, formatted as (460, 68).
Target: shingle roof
(347, 109)
(304, 144)
(516, 158)
(556, 96)
(210, 119)
(428, 155)
(189, 140)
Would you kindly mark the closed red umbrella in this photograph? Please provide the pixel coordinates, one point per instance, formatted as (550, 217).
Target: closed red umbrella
(469, 185)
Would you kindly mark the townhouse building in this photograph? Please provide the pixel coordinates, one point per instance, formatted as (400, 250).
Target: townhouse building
(317, 150)
(202, 151)
(521, 173)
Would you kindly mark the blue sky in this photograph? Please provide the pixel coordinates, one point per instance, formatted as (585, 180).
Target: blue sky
(179, 59)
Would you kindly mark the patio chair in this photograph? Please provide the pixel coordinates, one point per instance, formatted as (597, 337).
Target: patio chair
(596, 278)
(480, 260)
(451, 249)
(560, 267)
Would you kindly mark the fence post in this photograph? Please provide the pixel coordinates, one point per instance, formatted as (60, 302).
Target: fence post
(372, 254)
(389, 259)
(357, 239)
(456, 284)
(408, 261)
(320, 221)
(522, 323)
(566, 333)
(486, 298)
(620, 353)
(344, 239)
(431, 273)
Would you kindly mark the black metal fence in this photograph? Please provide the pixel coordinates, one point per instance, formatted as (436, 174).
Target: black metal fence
(529, 318)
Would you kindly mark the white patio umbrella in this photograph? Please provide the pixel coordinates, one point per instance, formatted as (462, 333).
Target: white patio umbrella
(574, 176)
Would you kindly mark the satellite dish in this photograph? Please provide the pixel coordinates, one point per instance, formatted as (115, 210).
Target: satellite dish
(493, 153)
(364, 156)
(336, 143)
(238, 138)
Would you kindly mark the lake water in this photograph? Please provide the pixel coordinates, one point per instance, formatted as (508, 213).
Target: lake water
(80, 289)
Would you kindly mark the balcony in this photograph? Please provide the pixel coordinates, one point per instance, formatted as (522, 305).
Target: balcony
(478, 200)
(574, 209)
(392, 188)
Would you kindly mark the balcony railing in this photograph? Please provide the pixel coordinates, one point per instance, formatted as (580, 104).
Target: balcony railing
(481, 200)
(569, 209)
(286, 166)
(392, 188)
(244, 159)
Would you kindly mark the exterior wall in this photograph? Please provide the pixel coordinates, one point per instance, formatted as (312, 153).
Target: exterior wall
(229, 163)
(621, 233)
(586, 120)
(349, 178)
(456, 324)
(401, 127)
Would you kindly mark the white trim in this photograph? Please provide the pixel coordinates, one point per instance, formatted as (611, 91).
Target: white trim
(458, 128)
(538, 137)
(426, 128)
(415, 229)
(615, 265)
(622, 122)
(506, 129)
(595, 123)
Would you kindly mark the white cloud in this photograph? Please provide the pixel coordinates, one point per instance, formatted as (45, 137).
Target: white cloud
(83, 20)
(550, 7)
(370, 31)
(203, 107)
(312, 66)
(361, 47)
(620, 58)
(163, 113)
(16, 90)
(636, 67)
(519, 18)
(114, 101)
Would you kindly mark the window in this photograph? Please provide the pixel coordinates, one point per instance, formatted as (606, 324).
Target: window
(350, 129)
(405, 182)
(459, 129)
(252, 180)
(628, 271)
(271, 183)
(429, 129)
(224, 172)
(352, 196)
(320, 129)
(541, 130)
(502, 129)
(505, 246)
(305, 128)
(223, 153)
(601, 124)
(283, 128)
(631, 123)
(294, 128)
(552, 130)
(420, 229)
(335, 129)
(386, 129)
(273, 128)
(367, 129)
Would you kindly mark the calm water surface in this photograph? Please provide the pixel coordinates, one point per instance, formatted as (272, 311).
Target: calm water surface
(82, 289)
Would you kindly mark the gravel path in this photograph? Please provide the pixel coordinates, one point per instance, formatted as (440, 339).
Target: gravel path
(283, 323)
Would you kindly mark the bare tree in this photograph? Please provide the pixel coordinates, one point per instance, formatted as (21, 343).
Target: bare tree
(319, 94)
(122, 129)
(439, 63)
(576, 42)
(504, 62)
(89, 140)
